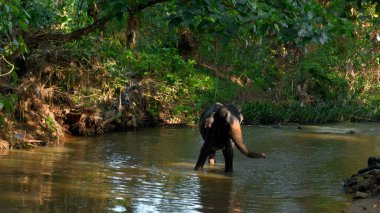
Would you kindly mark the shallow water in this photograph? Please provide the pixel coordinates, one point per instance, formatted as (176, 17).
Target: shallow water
(151, 170)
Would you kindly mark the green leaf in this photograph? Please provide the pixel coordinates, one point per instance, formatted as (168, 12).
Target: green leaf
(15, 9)
(14, 76)
(204, 25)
(175, 22)
(7, 9)
(23, 24)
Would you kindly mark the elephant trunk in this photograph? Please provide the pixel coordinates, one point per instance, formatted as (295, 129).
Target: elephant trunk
(237, 138)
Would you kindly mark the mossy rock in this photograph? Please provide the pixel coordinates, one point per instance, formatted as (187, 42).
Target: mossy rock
(362, 186)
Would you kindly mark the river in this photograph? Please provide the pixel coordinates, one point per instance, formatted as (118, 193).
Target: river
(151, 170)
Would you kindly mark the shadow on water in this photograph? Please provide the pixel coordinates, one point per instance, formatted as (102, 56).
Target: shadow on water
(152, 171)
(218, 195)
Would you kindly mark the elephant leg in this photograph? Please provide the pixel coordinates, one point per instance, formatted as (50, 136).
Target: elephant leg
(228, 154)
(204, 153)
(211, 158)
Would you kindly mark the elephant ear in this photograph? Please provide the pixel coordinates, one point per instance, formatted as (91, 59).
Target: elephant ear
(209, 120)
(233, 113)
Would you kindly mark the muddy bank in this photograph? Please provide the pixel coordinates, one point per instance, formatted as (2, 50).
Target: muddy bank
(57, 96)
(40, 121)
(370, 205)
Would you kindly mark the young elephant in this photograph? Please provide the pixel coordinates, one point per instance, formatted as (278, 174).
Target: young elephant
(220, 129)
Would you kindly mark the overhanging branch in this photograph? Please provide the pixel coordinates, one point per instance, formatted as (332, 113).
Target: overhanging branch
(33, 40)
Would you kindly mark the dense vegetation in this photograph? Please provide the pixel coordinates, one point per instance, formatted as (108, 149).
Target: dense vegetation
(89, 66)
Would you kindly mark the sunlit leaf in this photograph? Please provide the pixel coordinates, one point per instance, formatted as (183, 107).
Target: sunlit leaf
(23, 24)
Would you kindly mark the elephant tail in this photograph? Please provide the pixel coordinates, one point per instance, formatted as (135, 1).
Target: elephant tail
(237, 138)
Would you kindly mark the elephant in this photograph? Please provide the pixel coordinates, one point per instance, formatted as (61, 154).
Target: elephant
(220, 129)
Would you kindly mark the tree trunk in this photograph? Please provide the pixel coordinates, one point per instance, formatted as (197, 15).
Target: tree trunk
(92, 10)
(130, 33)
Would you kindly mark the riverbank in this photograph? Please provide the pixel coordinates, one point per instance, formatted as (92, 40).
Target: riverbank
(369, 205)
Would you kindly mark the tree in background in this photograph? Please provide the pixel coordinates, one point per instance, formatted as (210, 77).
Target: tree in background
(234, 31)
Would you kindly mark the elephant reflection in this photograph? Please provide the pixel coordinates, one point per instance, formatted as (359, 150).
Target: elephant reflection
(218, 195)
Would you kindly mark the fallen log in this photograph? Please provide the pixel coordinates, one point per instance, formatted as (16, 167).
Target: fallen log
(109, 120)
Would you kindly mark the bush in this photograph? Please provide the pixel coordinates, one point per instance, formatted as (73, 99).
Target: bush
(324, 112)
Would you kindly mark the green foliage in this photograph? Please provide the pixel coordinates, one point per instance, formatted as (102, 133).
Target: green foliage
(322, 83)
(340, 70)
(59, 15)
(7, 105)
(290, 21)
(12, 17)
(161, 62)
(176, 85)
(7, 102)
(50, 124)
(157, 28)
(327, 112)
(169, 84)
(260, 43)
(364, 4)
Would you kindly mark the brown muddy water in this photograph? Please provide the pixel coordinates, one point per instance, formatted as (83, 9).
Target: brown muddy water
(151, 170)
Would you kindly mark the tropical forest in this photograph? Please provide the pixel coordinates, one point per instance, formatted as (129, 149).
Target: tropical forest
(88, 67)
(72, 69)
